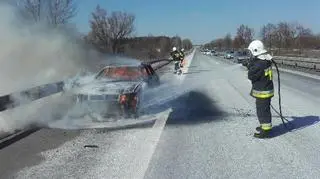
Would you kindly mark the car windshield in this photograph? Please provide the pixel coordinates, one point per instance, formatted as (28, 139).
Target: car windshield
(122, 73)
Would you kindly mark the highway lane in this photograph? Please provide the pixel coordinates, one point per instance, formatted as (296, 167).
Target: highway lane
(206, 132)
(214, 139)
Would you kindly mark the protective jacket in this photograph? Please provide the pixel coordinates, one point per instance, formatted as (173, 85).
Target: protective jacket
(260, 74)
(182, 55)
(175, 55)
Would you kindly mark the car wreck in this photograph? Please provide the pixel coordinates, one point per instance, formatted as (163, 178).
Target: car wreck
(116, 90)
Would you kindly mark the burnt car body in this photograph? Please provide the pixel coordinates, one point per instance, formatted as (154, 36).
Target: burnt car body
(117, 90)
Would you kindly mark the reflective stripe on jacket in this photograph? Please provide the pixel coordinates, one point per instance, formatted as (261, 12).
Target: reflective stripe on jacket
(262, 94)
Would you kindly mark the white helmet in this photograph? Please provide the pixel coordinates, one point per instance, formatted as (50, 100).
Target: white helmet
(256, 48)
(174, 48)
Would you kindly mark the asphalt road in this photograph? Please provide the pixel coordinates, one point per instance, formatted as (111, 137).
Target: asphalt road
(204, 131)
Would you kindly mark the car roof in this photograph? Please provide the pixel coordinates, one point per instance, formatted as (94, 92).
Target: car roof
(108, 66)
(115, 66)
(123, 65)
(118, 60)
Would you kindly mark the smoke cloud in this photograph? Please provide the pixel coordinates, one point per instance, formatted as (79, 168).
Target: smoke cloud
(31, 55)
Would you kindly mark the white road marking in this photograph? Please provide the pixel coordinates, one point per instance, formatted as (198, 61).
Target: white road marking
(160, 123)
(154, 139)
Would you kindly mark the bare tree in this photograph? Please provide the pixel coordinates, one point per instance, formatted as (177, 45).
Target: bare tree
(186, 44)
(245, 35)
(227, 41)
(285, 35)
(217, 44)
(54, 12)
(121, 25)
(61, 11)
(99, 35)
(236, 43)
(165, 45)
(210, 45)
(304, 38)
(147, 47)
(33, 8)
(268, 34)
(176, 41)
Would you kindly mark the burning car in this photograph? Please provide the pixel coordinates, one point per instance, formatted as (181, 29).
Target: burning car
(117, 90)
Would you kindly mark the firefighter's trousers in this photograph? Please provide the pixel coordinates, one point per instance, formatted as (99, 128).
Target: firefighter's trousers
(264, 112)
(176, 65)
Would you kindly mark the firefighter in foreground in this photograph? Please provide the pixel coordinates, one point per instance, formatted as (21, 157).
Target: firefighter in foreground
(176, 56)
(260, 75)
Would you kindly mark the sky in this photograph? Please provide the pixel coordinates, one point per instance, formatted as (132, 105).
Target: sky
(204, 20)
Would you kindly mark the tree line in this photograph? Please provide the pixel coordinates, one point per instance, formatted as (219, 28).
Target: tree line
(110, 32)
(278, 38)
(113, 33)
(52, 12)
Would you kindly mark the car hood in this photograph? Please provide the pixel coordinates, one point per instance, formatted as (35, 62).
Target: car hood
(107, 87)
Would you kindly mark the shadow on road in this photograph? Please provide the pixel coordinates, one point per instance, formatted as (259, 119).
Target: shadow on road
(296, 124)
(193, 108)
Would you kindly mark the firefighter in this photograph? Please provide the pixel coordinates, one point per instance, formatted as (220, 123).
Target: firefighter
(182, 55)
(260, 75)
(176, 56)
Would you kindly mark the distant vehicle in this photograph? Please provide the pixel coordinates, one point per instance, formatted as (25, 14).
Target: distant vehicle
(241, 57)
(216, 53)
(117, 90)
(206, 52)
(228, 55)
(213, 53)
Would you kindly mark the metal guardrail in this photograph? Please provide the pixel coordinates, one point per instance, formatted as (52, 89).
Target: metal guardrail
(8, 101)
(297, 62)
(309, 63)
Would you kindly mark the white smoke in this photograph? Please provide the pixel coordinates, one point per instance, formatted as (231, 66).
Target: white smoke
(31, 55)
